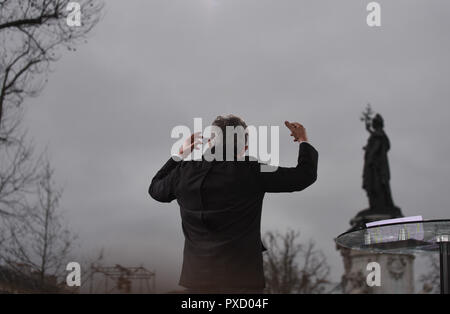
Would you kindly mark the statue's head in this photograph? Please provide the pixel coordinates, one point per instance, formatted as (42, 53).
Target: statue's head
(377, 122)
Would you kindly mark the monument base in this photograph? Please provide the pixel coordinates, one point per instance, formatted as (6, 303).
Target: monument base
(396, 272)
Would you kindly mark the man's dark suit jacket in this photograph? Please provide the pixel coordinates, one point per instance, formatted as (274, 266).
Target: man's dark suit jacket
(220, 206)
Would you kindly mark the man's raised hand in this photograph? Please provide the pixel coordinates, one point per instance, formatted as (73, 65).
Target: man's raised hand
(190, 144)
(297, 131)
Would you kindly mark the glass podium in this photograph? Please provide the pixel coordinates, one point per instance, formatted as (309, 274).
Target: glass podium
(404, 238)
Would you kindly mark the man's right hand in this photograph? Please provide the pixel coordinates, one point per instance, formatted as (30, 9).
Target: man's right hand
(297, 131)
(191, 143)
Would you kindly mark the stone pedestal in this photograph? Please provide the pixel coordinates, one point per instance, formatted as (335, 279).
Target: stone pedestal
(396, 273)
(397, 270)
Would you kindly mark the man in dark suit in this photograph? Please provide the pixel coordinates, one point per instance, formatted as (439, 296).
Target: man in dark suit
(220, 206)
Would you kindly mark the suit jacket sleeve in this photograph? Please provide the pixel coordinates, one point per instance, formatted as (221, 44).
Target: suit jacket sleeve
(163, 184)
(290, 179)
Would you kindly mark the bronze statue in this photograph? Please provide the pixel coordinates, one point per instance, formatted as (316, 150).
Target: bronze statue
(376, 174)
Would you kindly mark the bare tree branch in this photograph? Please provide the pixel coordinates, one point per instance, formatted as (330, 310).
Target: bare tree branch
(32, 33)
(38, 238)
(294, 267)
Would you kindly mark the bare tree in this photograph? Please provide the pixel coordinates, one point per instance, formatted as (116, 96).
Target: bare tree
(32, 33)
(19, 169)
(19, 177)
(38, 237)
(292, 267)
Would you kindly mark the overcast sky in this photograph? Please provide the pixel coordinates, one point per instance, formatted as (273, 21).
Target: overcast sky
(107, 111)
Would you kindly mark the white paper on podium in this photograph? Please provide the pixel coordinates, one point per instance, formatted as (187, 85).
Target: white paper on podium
(401, 231)
(395, 220)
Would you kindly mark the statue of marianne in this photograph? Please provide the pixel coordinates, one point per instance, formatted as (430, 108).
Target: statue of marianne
(376, 173)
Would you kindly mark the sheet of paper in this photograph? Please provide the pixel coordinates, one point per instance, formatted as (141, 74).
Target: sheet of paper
(395, 220)
(397, 232)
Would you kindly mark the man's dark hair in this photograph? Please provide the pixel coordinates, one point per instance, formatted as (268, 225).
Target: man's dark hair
(231, 120)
